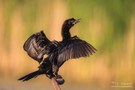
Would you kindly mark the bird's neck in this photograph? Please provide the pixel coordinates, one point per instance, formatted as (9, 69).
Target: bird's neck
(65, 33)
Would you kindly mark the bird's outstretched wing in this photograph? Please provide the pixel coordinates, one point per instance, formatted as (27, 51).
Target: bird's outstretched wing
(35, 45)
(75, 48)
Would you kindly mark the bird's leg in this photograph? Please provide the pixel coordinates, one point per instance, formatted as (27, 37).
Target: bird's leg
(58, 77)
(55, 69)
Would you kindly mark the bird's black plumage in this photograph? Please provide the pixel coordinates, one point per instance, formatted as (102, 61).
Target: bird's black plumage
(58, 52)
(44, 68)
(66, 27)
(74, 48)
(36, 46)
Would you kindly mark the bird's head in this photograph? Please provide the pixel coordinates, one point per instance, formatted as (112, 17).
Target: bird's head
(70, 23)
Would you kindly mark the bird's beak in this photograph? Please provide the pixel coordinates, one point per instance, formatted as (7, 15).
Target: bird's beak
(76, 21)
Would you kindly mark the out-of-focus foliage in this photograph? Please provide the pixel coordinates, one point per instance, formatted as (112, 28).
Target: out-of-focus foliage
(109, 25)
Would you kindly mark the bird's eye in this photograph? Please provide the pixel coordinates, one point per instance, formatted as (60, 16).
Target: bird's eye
(70, 22)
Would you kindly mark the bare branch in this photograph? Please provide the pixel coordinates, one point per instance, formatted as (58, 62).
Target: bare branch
(55, 84)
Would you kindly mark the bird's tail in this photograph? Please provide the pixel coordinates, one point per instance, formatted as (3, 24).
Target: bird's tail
(30, 76)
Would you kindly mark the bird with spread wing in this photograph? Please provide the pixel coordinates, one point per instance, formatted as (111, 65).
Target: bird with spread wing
(37, 45)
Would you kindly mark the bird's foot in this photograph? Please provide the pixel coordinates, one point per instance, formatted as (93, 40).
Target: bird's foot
(60, 79)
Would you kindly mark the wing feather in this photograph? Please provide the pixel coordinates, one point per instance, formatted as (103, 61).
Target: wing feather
(35, 45)
(75, 48)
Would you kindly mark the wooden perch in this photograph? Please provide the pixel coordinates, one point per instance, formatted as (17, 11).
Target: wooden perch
(55, 84)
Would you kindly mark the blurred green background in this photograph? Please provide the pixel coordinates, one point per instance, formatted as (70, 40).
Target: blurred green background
(109, 25)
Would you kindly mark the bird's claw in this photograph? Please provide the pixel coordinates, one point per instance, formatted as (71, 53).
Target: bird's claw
(60, 79)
